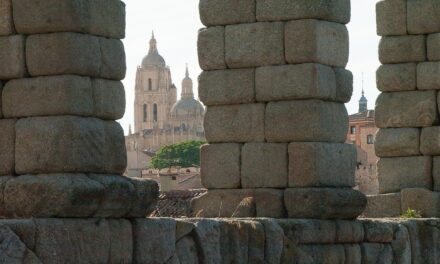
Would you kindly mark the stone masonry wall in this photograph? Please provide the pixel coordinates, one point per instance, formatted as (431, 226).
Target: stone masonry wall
(190, 241)
(61, 152)
(275, 84)
(407, 111)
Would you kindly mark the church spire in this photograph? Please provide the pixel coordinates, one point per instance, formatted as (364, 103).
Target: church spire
(363, 102)
(187, 72)
(187, 85)
(153, 44)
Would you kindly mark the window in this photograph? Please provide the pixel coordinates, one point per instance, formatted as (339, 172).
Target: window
(150, 84)
(145, 113)
(155, 112)
(352, 130)
(370, 139)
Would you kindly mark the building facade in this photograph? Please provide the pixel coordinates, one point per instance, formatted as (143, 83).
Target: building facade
(159, 118)
(362, 133)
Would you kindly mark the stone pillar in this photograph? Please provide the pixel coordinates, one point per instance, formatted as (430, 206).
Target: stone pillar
(275, 84)
(61, 152)
(407, 110)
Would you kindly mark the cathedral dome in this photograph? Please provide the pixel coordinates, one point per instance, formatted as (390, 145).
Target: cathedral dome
(186, 107)
(153, 57)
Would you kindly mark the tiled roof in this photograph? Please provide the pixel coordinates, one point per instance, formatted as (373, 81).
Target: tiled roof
(176, 203)
(366, 115)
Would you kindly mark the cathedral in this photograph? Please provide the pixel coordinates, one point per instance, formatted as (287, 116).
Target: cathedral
(159, 119)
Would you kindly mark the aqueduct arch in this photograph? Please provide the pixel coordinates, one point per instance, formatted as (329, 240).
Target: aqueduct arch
(62, 153)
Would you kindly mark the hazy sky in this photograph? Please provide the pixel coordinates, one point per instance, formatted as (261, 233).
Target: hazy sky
(176, 22)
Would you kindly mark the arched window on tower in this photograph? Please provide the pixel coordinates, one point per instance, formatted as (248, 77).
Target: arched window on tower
(145, 113)
(155, 112)
(150, 84)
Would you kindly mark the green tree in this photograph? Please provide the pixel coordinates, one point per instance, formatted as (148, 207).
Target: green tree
(185, 154)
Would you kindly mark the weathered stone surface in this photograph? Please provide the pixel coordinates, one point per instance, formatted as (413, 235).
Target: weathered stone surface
(60, 195)
(104, 18)
(1, 92)
(318, 121)
(6, 22)
(424, 240)
(378, 231)
(146, 195)
(316, 41)
(383, 205)
(344, 85)
(12, 56)
(406, 109)
(396, 77)
(13, 250)
(333, 10)
(234, 241)
(353, 253)
(7, 145)
(324, 203)
(69, 144)
(391, 17)
(214, 13)
(401, 245)
(349, 231)
(325, 254)
(401, 49)
(423, 16)
(256, 44)
(404, 172)
(156, 246)
(422, 200)
(290, 82)
(235, 123)
(227, 87)
(273, 248)
(397, 142)
(427, 76)
(376, 253)
(72, 240)
(211, 48)
(207, 236)
(309, 231)
(433, 45)
(64, 95)
(73, 53)
(25, 229)
(220, 165)
(224, 203)
(264, 165)
(430, 141)
(121, 241)
(186, 250)
(246, 208)
(314, 164)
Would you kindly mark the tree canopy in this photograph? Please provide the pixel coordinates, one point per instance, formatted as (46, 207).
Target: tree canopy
(185, 155)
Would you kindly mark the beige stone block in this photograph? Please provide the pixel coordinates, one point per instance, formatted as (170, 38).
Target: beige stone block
(264, 165)
(344, 85)
(330, 10)
(314, 164)
(433, 46)
(72, 240)
(99, 17)
(397, 142)
(69, 144)
(157, 246)
(235, 123)
(427, 76)
(6, 23)
(383, 205)
(73, 53)
(316, 41)
(225, 203)
(227, 12)
(256, 44)
(396, 77)
(324, 203)
(391, 17)
(423, 16)
(7, 146)
(12, 56)
(402, 49)
(211, 48)
(109, 99)
(396, 174)
(290, 82)
(425, 201)
(430, 141)
(224, 87)
(318, 121)
(406, 109)
(220, 166)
